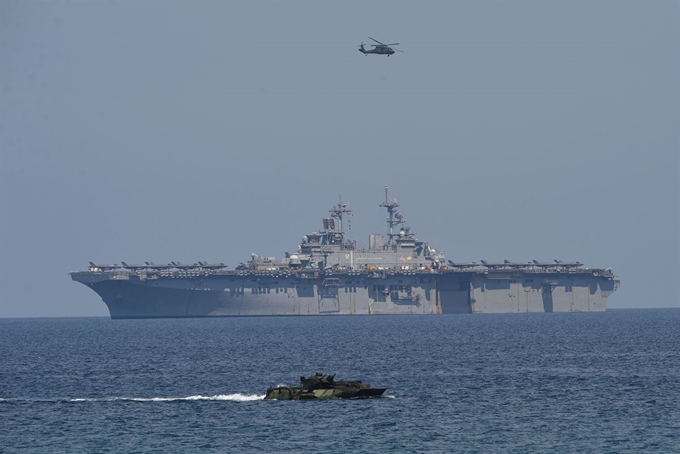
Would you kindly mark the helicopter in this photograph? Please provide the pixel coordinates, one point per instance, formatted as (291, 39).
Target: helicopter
(380, 48)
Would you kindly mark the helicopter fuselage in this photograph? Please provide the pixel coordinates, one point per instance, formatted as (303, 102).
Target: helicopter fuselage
(378, 50)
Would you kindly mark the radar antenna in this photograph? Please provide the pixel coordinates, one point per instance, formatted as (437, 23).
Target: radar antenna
(394, 217)
(338, 211)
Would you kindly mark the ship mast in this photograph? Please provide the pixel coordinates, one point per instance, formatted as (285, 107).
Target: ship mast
(394, 218)
(337, 212)
(333, 232)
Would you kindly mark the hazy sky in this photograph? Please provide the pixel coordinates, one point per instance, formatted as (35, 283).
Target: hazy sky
(159, 131)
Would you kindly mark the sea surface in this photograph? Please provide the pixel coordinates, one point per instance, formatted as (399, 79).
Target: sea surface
(581, 382)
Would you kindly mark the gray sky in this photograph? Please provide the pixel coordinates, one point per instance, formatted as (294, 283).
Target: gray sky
(159, 131)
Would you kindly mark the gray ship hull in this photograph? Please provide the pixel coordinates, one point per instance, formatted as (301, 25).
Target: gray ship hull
(330, 275)
(441, 292)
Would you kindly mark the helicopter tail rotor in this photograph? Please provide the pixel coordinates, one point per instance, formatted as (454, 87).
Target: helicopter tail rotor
(361, 48)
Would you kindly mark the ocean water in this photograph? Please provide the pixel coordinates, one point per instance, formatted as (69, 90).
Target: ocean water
(583, 382)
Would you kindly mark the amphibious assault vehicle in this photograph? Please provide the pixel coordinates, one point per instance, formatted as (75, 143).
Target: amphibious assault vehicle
(321, 386)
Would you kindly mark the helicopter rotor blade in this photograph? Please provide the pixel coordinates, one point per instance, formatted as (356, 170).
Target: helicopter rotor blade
(376, 41)
(393, 44)
(399, 50)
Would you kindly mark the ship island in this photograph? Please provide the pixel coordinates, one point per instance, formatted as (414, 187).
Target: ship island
(330, 275)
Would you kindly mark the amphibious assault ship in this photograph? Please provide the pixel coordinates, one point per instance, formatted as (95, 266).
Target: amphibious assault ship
(330, 275)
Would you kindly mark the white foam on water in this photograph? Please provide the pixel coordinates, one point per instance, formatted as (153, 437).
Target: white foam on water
(226, 397)
(230, 397)
(241, 397)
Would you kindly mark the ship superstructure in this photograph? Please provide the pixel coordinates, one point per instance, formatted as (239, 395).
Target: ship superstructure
(330, 275)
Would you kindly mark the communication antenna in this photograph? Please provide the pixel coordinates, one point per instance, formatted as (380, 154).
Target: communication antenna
(338, 212)
(394, 218)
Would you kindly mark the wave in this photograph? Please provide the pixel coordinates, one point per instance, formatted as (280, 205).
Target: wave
(225, 397)
(219, 397)
(237, 397)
